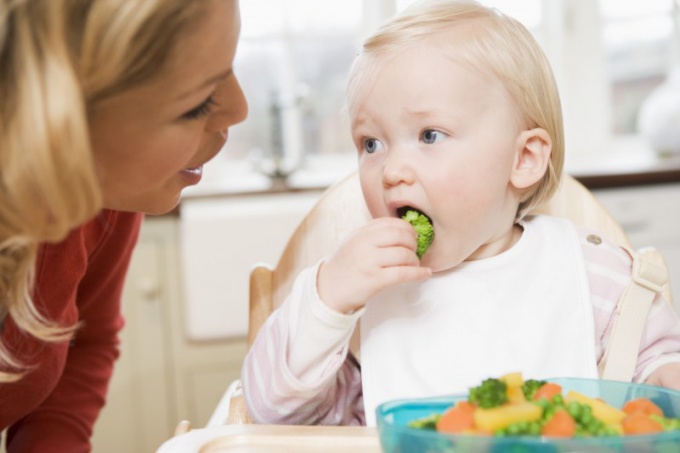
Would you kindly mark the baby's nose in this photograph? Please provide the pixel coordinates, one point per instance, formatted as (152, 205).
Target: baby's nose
(398, 168)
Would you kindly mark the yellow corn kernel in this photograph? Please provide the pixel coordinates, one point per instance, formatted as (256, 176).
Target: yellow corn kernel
(515, 395)
(513, 379)
(495, 418)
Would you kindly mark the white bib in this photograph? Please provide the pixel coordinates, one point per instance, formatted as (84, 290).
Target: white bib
(527, 309)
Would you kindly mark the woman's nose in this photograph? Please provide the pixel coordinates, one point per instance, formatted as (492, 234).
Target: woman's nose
(231, 106)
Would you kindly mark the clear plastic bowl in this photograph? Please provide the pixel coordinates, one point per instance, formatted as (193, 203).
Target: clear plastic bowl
(396, 437)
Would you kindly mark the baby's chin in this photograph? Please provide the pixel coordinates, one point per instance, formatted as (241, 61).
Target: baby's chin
(439, 264)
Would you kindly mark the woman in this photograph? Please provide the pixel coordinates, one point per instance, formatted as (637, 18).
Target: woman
(109, 109)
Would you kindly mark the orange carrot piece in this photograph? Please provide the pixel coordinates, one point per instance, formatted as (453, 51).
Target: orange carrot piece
(643, 405)
(561, 424)
(639, 423)
(465, 406)
(457, 419)
(547, 391)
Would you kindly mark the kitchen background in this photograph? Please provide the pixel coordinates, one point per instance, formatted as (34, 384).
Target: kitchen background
(186, 300)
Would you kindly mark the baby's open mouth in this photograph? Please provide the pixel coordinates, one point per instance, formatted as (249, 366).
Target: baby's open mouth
(401, 212)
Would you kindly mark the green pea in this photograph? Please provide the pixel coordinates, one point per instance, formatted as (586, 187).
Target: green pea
(586, 418)
(535, 428)
(558, 400)
(592, 426)
(574, 409)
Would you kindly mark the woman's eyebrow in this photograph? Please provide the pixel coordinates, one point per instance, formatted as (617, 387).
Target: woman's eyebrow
(207, 83)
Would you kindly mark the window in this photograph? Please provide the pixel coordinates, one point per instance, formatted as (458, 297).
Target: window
(640, 42)
(293, 62)
(608, 55)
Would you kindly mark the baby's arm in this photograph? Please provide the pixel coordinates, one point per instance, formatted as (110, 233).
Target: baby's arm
(298, 370)
(609, 271)
(667, 375)
(659, 359)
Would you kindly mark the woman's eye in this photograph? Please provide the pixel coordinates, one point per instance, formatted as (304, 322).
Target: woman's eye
(430, 136)
(200, 111)
(371, 145)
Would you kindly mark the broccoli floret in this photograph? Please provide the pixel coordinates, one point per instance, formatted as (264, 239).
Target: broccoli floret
(529, 388)
(491, 393)
(424, 229)
(429, 422)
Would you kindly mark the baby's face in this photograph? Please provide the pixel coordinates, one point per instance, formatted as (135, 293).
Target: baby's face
(437, 136)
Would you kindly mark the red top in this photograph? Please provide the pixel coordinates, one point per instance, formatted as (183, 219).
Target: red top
(54, 407)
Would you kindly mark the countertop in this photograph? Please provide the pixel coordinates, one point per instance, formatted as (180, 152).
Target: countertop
(631, 164)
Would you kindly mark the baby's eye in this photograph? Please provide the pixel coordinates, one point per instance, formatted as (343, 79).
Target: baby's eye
(430, 136)
(371, 145)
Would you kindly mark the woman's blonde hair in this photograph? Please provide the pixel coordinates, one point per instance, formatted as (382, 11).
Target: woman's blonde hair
(499, 45)
(57, 59)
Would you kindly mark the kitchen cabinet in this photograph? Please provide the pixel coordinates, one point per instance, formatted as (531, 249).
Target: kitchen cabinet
(160, 378)
(140, 409)
(220, 242)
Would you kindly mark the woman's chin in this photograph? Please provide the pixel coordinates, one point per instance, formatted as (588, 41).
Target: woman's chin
(163, 208)
(158, 205)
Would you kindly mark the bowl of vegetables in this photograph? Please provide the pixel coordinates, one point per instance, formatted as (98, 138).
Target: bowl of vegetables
(510, 414)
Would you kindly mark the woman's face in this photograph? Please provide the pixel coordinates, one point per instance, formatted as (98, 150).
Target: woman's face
(152, 141)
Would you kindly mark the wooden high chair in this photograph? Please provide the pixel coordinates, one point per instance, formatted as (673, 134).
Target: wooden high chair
(342, 209)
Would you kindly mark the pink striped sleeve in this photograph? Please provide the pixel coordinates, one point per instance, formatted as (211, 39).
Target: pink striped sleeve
(609, 270)
(275, 395)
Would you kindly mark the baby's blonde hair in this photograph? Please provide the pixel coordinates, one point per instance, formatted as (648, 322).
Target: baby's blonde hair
(498, 44)
(57, 59)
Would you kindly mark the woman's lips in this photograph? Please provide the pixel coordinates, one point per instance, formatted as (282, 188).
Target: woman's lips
(192, 175)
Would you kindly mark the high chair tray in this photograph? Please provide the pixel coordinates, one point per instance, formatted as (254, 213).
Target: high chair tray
(274, 439)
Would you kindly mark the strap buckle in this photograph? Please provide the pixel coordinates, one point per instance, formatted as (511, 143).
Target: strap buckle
(648, 274)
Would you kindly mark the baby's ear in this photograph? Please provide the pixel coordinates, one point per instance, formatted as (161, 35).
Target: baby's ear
(531, 158)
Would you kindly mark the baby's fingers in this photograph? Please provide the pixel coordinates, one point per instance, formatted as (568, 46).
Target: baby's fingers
(402, 255)
(402, 274)
(395, 235)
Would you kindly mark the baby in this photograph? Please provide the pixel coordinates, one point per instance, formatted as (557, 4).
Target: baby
(455, 114)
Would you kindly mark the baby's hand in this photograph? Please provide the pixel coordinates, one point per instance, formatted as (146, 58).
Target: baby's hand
(667, 375)
(373, 257)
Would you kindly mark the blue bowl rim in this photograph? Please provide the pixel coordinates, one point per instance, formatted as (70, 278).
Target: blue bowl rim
(528, 440)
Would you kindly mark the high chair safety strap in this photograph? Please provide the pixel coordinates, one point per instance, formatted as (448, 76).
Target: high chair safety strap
(631, 312)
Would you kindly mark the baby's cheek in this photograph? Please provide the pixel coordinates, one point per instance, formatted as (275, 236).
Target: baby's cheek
(375, 208)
